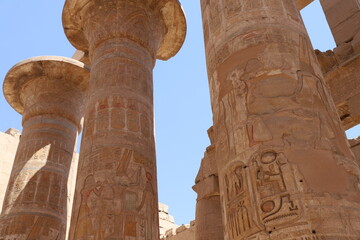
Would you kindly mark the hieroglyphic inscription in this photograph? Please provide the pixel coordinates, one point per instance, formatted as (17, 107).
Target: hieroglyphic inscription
(118, 114)
(29, 227)
(238, 214)
(272, 176)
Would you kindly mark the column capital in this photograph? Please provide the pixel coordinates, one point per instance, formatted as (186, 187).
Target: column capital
(76, 17)
(34, 85)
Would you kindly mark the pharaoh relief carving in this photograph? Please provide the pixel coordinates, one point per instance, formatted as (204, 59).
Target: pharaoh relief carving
(234, 112)
(131, 190)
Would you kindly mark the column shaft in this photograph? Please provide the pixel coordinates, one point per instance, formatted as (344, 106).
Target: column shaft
(285, 169)
(48, 92)
(36, 201)
(116, 188)
(116, 191)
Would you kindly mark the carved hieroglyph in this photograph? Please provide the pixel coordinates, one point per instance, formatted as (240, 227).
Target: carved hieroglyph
(116, 189)
(285, 169)
(49, 93)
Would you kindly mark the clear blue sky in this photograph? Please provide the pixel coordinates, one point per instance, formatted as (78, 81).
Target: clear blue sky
(182, 105)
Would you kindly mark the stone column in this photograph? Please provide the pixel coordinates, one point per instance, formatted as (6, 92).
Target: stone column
(285, 168)
(49, 93)
(116, 189)
(208, 208)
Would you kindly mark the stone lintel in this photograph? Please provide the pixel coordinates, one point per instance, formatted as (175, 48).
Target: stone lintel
(303, 3)
(172, 15)
(51, 67)
(343, 17)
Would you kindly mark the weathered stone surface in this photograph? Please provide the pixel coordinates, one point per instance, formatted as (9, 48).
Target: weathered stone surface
(282, 155)
(76, 21)
(166, 221)
(8, 144)
(116, 189)
(355, 147)
(49, 93)
(343, 17)
(341, 66)
(342, 78)
(303, 3)
(208, 219)
(184, 232)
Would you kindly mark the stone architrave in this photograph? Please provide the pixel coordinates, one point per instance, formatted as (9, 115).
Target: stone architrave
(285, 168)
(340, 67)
(49, 93)
(116, 188)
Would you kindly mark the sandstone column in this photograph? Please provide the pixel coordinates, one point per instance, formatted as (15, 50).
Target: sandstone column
(285, 169)
(208, 208)
(49, 93)
(116, 189)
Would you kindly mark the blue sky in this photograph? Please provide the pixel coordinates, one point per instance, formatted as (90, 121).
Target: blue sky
(182, 102)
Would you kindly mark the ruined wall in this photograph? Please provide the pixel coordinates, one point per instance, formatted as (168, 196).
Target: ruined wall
(166, 221)
(184, 232)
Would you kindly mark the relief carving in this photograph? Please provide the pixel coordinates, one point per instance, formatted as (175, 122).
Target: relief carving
(238, 209)
(130, 189)
(232, 7)
(273, 188)
(214, 16)
(234, 113)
